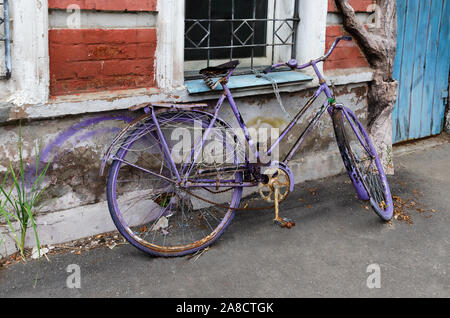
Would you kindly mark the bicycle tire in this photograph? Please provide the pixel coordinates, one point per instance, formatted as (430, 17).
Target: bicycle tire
(369, 185)
(124, 229)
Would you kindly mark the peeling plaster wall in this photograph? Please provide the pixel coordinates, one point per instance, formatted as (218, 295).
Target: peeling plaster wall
(74, 146)
(29, 55)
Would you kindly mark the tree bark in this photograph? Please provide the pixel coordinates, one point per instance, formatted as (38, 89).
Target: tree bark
(379, 47)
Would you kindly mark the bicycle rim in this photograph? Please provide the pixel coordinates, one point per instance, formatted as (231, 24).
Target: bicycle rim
(362, 163)
(155, 215)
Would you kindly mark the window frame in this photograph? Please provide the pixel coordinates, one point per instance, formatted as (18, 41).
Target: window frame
(6, 39)
(311, 35)
(282, 23)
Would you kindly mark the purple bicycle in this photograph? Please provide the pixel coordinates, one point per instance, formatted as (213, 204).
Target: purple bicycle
(178, 172)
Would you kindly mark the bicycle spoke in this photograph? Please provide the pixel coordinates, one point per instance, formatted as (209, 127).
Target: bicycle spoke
(357, 150)
(166, 216)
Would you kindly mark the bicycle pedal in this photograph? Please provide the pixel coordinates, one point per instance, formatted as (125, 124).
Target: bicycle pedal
(285, 223)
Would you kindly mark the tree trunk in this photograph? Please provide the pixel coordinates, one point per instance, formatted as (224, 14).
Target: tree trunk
(379, 46)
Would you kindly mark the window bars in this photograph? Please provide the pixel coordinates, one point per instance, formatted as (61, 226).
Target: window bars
(6, 39)
(244, 31)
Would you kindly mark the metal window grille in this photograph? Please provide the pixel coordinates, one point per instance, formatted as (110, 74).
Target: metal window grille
(199, 31)
(5, 38)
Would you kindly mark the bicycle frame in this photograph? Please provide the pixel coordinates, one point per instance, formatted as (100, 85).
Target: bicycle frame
(323, 88)
(185, 209)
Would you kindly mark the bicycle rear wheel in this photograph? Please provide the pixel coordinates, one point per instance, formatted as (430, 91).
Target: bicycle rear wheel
(152, 212)
(362, 162)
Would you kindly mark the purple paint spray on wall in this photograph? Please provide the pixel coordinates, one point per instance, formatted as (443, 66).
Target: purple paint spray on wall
(54, 149)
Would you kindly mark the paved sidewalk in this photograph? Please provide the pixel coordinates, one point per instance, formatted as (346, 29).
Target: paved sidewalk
(326, 254)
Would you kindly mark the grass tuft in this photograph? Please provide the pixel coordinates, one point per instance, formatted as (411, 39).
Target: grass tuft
(19, 198)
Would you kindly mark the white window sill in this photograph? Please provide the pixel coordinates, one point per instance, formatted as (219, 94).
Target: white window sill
(102, 102)
(250, 81)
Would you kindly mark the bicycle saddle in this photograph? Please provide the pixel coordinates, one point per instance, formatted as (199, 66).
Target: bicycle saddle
(220, 69)
(214, 71)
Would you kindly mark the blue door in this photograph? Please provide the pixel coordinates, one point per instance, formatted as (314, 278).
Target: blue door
(421, 68)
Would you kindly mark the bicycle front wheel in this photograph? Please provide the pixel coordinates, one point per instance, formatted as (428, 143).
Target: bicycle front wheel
(362, 162)
(148, 207)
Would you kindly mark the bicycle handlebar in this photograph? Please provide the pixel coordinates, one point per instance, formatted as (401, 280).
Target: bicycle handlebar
(345, 38)
(293, 64)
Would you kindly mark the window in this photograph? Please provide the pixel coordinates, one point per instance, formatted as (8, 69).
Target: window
(258, 32)
(5, 44)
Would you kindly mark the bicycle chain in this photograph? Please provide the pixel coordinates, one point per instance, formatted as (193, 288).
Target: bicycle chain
(223, 206)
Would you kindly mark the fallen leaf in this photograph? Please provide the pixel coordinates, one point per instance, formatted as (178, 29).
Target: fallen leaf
(35, 252)
(112, 246)
(143, 229)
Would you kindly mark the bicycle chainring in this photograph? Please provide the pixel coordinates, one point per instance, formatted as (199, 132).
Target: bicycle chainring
(277, 177)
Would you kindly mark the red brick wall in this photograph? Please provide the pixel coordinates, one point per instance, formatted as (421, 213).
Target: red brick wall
(358, 5)
(347, 54)
(92, 60)
(106, 5)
